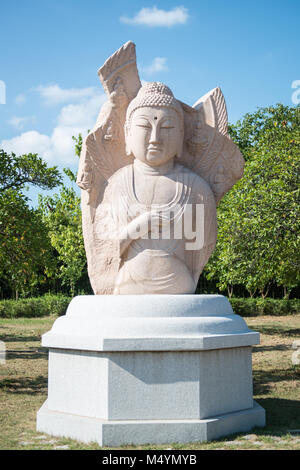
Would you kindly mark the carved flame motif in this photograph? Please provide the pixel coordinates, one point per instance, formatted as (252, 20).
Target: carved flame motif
(198, 143)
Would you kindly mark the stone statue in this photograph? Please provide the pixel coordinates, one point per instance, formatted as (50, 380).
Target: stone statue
(121, 366)
(151, 172)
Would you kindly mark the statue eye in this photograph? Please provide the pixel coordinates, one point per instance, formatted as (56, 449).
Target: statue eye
(167, 125)
(145, 125)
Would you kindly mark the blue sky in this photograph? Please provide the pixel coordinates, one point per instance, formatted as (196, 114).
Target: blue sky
(51, 50)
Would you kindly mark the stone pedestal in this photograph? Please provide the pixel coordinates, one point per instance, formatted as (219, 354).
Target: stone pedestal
(149, 369)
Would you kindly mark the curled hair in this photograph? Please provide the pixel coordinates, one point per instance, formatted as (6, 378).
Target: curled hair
(153, 94)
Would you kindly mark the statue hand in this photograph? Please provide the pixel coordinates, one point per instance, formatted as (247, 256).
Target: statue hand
(140, 227)
(143, 223)
(137, 228)
(157, 218)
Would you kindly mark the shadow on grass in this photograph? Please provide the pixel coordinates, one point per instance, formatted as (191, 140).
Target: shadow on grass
(282, 415)
(26, 354)
(25, 385)
(20, 338)
(262, 380)
(278, 347)
(277, 330)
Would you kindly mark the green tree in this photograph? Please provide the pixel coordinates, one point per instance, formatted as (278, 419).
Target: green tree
(248, 132)
(25, 250)
(16, 171)
(258, 236)
(62, 215)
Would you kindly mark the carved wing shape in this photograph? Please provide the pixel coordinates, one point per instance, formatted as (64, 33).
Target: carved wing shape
(121, 64)
(103, 152)
(208, 149)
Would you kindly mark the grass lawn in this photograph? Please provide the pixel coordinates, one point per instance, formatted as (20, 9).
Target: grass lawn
(23, 388)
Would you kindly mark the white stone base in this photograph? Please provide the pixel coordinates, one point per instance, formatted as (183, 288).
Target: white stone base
(117, 433)
(149, 369)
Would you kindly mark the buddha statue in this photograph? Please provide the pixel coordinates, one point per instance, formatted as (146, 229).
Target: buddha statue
(159, 189)
(147, 173)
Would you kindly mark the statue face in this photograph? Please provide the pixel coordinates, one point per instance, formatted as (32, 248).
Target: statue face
(155, 135)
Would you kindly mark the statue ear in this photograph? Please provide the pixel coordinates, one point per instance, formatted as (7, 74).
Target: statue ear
(127, 138)
(180, 151)
(128, 150)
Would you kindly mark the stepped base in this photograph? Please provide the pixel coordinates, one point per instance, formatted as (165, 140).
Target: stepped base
(149, 369)
(117, 433)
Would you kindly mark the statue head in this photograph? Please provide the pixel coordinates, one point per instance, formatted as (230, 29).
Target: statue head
(154, 127)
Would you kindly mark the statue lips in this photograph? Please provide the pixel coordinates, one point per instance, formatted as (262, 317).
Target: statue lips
(154, 149)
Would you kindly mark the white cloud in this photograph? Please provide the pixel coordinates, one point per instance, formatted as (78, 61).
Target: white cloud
(58, 147)
(19, 121)
(158, 65)
(155, 17)
(54, 94)
(81, 114)
(28, 142)
(20, 99)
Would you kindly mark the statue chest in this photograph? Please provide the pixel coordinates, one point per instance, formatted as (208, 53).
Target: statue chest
(154, 190)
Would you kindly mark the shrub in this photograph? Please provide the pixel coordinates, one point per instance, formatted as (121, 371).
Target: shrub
(56, 304)
(51, 304)
(249, 307)
(34, 307)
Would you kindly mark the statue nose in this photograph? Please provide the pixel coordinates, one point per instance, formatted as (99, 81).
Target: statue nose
(154, 136)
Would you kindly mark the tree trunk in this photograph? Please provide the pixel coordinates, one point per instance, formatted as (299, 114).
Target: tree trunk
(265, 293)
(286, 292)
(229, 290)
(72, 288)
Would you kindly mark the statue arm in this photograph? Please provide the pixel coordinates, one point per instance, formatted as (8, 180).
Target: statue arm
(138, 228)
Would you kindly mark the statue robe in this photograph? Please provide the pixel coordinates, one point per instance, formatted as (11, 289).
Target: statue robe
(168, 263)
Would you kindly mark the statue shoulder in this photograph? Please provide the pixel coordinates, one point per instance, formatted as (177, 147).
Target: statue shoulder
(119, 175)
(116, 183)
(198, 184)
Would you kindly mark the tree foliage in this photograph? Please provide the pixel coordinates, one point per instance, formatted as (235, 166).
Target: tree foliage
(16, 171)
(258, 236)
(25, 250)
(62, 215)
